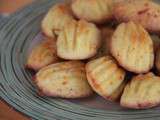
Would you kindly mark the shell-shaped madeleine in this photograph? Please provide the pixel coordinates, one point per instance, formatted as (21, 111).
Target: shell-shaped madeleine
(65, 79)
(98, 11)
(55, 19)
(144, 12)
(132, 47)
(105, 77)
(142, 92)
(78, 40)
(42, 55)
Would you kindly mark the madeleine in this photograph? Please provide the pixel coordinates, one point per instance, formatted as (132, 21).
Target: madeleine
(42, 55)
(142, 92)
(105, 77)
(132, 47)
(55, 19)
(78, 40)
(65, 80)
(144, 12)
(97, 11)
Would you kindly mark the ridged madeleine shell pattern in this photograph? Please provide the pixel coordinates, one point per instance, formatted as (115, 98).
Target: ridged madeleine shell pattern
(64, 79)
(42, 55)
(132, 47)
(55, 19)
(98, 11)
(78, 40)
(144, 12)
(17, 88)
(105, 76)
(142, 92)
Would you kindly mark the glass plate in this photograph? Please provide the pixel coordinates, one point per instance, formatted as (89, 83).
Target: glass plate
(18, 35)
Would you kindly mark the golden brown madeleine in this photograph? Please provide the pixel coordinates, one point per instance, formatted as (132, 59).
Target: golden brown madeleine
(65, 79)
(132, 47)
(78, 40)
(142, 92)
(55, 19)
(144, 12)
(105, 77)
(42, 55)
(157, 60)
(97, 11)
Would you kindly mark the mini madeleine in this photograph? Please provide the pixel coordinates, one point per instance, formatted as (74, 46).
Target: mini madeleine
(144, 12)
(97, 11)
(65, 80)
(55, 19)
(78, 40)
(105, 77)
(142, 92)
(132, 47)
(42, 55)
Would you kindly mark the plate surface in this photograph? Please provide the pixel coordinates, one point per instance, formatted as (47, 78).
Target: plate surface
(17, 36)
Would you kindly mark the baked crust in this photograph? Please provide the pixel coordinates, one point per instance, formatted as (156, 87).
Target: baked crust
(55, 19)
(144, 12)
(105, 77)
(142, 92)
(79, 40)
(132, 47)
(97, 11)
(42, 55)
(65, 80)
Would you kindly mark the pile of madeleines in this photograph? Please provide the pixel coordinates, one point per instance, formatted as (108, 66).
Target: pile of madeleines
(92, 45)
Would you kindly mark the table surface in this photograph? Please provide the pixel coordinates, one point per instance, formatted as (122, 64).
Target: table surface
(6, 111)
